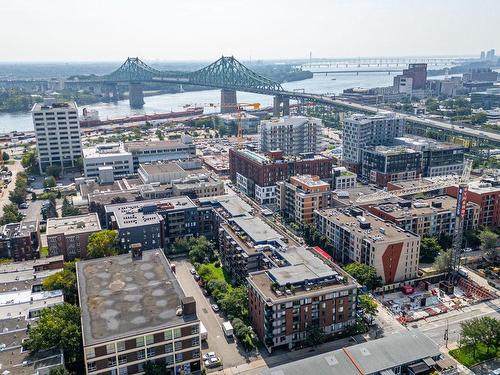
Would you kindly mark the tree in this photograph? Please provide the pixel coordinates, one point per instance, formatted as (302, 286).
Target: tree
(29, 161)
(485, 330)
(57, 327)
(151, 368)
(59, 371)
(65, 280)
(366, 275)
(314, 336)
(218, 288)
(5, 156)
(202, 250)
(49, 182)
(479, 118)
(368, 305)
(159, 134)
(429, 249)
(54, 170)
(442, 262)
(489, 241)
(235, 302)
(11, 214)
(103, 244)
(68, 209)
(244, 333)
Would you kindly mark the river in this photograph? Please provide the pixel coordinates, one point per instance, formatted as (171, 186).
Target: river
(333, 84)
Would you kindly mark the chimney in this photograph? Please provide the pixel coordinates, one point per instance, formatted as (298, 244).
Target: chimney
(188, 306)
(136, 251)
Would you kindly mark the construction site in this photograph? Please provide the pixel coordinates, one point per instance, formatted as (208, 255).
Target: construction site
(427, 299)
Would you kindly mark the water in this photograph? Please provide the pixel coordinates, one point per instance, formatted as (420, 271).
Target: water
(333, 84)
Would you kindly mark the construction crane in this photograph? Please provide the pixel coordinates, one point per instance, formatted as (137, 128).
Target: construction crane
(438, 183)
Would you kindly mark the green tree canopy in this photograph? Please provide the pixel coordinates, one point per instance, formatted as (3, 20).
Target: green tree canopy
(485, 330)
(314, 336)
(364, 274)
(29, 161)
(57, 327)
(53, 170)
(11, 214)
(489, 242)
(65, 280)
(201, 249)
(68, 209)
(442, 262)
(102, 244)
(5, 156)
(235, 303)
(368, 305)
(49, 182)
(151, 368)
(429, 249)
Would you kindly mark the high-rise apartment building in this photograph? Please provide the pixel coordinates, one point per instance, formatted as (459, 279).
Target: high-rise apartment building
(57, 131)
(362, 130)
(291, 134)
(418, 74)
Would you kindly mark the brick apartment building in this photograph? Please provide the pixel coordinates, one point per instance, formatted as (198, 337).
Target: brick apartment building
(305, 289)
(301, 195)
(69, 236)
(257, 174)
(20, 241)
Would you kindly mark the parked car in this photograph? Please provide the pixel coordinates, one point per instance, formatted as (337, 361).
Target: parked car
(31, 179)
(24, 205)
(196, 277)
(193, 271)
(205, 292)
(213, 362)
(215, 307)
(209, 355)
(467, 250)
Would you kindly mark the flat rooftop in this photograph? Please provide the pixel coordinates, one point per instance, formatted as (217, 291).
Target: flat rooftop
(121, 296)
(232, 204)
(54, 106)
(390, 150)
(258, 230)
(70, 225)
(379, 230)
(308, 180)
(105, 150)
(29, 265)
(370, 357)
(156, 145)
(22, 229)
(159, 168)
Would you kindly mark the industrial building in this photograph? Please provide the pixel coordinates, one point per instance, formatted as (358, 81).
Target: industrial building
(301, 287)
(69, 236)
(361, 237)
(405, 353)
(107, 162)
(128, 320)
(293, 135)
(57, 131)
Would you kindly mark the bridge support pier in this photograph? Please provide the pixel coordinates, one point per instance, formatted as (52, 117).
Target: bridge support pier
(277, 105)
(286, 106)
(228, 102)
(136, 95)
(277, 109)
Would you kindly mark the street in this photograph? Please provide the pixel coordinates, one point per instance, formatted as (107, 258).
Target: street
(4, 195)
(228, 351)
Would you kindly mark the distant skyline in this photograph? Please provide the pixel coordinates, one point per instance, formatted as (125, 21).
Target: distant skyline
(166, 30)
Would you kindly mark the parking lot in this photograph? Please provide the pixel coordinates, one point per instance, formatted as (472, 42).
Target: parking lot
(229, 352)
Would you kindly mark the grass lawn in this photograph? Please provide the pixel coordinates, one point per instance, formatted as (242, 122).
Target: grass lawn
(218, 272)
(465, 354)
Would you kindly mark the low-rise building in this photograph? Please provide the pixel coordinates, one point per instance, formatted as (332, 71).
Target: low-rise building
(69, 236)
(256, 174)
(128, 319)
(21, 299)
(301, 288)
(198, 186)
(20, 241)
(248, 122)
(427, 217)
(107, 162)
(487, 99)
(301, 195)
(408, 352)
(343, 179)
(361, 237)
(383, 164)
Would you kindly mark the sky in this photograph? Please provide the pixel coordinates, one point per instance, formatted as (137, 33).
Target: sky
(179, 30)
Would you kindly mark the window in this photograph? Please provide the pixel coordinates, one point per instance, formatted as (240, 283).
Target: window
(151, 352)
(90, 353)
(120, 346)
(91, 366)
(169, 348)
(110, 348)
(150, 339)
(123, 371)
(177, 333)
(178, 345)
(122, 359)
(195, 341)
(111, 361)
(179, 357)
(139, 341)
(195, 329)
(141, 354)
(168, 335)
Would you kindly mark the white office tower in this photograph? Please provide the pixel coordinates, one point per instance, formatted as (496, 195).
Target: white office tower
(292, 134)
(361, 130)
(57, 131)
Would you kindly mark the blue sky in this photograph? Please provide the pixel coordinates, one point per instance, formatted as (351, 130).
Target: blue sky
(110, 30)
